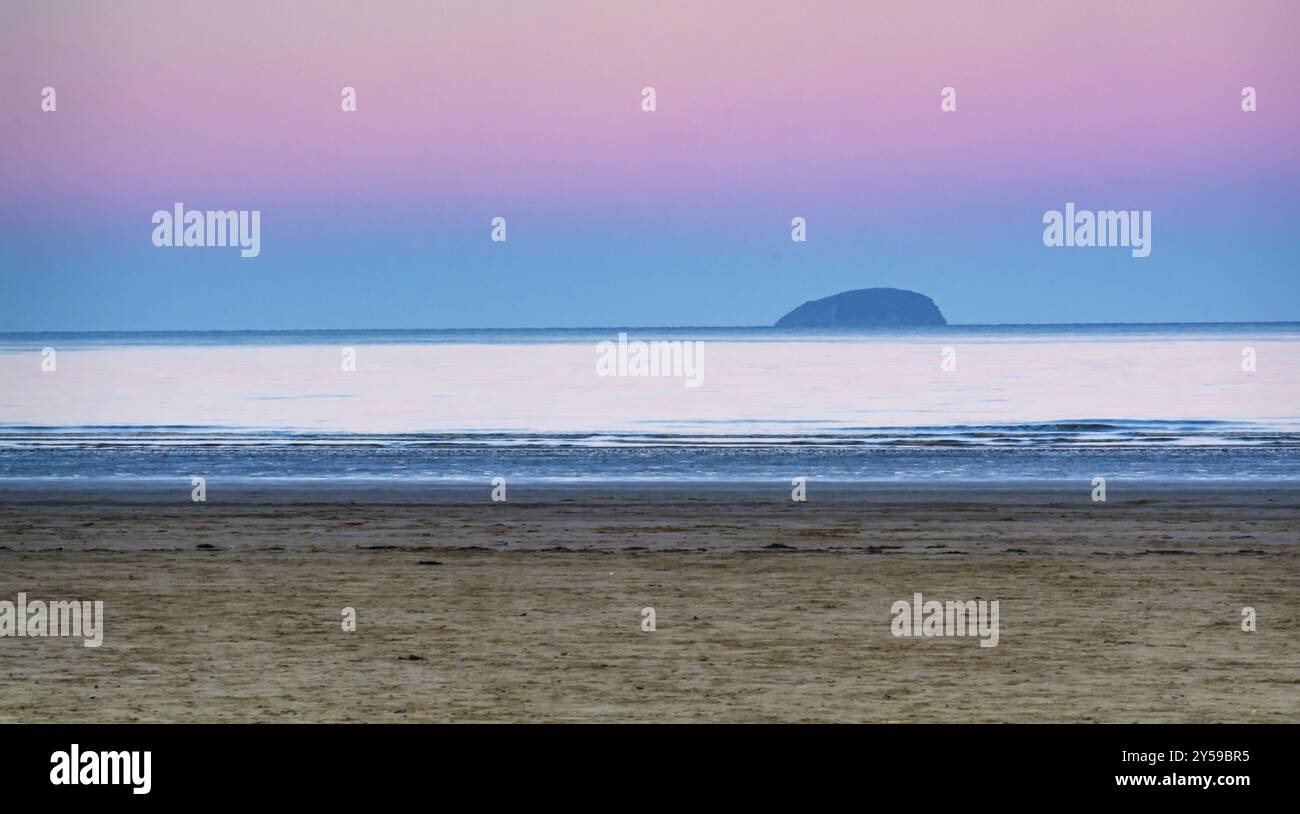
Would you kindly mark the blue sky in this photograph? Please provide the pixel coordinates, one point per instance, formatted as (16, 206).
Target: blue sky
(380, 217)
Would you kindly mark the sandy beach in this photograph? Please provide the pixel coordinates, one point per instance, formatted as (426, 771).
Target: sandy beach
(530, 610)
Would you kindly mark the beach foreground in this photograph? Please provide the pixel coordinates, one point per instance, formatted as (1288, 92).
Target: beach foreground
(531, 610)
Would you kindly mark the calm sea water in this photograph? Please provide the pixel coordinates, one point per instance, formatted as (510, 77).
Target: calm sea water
(1148, 402)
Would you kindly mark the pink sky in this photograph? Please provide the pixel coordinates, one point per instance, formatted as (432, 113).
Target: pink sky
(470, 96)
(766, 110)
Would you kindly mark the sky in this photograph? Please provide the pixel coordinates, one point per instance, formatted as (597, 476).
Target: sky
(765, 111)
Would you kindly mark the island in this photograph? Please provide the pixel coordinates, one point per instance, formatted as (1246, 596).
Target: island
(865, 308)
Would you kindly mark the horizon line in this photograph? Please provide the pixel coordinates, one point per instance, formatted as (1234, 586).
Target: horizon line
(841, 329)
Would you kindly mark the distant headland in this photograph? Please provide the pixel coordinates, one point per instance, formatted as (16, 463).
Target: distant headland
(865, 308)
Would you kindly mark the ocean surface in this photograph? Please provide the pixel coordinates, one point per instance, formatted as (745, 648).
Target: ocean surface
(1205, 402)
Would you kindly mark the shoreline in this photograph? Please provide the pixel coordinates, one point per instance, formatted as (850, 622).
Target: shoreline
(168, 490)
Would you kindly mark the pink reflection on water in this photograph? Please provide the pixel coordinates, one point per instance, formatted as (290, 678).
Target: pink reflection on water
(748, 387)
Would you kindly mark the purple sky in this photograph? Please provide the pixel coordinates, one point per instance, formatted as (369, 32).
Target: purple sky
(531, 111)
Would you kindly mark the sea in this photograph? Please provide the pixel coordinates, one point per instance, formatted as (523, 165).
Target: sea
(965, 403)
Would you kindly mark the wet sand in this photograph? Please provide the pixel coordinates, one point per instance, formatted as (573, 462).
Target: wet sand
(766, 610)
